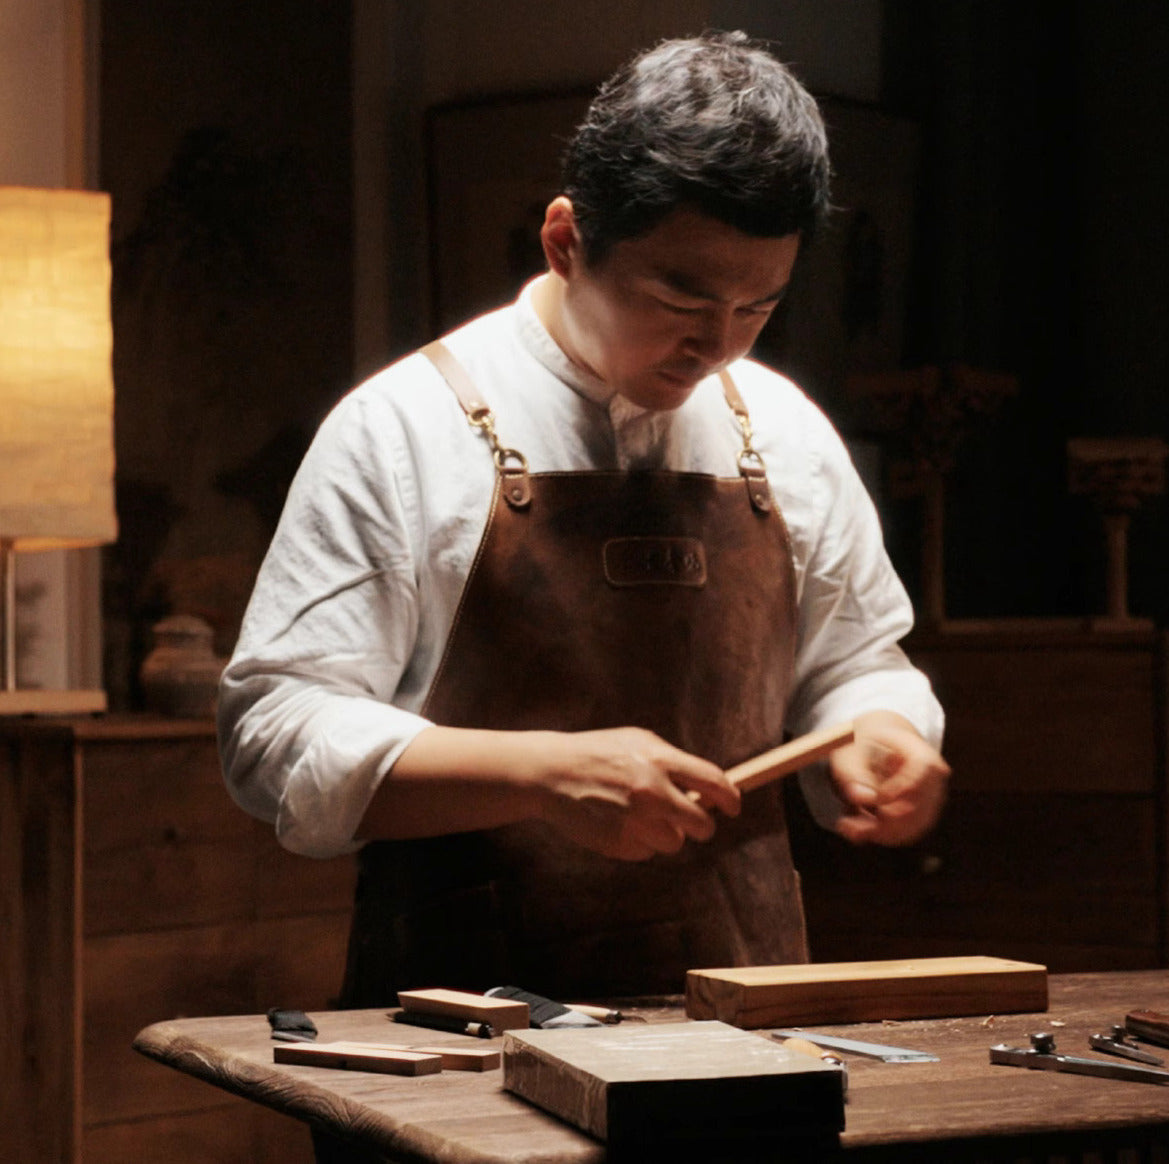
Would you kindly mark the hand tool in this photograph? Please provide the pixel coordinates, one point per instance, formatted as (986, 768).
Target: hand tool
(291, 1026)
(807, 1047)
(1150, 1025)
(606, 1014)
(442, 1022)
(545, 1012)
(1041, 1056)
(1116, 1044)
(854, 1046)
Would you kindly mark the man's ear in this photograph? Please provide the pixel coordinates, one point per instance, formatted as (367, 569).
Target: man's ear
(560, 237)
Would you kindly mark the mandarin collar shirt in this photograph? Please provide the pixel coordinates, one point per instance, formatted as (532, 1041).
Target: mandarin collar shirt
(357, 594)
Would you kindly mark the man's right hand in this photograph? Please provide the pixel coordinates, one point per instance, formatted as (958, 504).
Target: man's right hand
(621, 792)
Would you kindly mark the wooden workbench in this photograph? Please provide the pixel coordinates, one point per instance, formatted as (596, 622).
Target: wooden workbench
(958, 1109)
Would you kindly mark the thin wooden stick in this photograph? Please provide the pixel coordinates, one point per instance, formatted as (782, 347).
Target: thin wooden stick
(789, 757)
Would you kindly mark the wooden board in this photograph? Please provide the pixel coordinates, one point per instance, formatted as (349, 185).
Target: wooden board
(844, 992)
(453, 1058)
(702, 1080)
(347, 1056)
(504, 1014)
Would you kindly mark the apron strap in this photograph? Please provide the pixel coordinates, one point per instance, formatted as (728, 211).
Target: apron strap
(454, 374)
(511, 465)
(751, 466)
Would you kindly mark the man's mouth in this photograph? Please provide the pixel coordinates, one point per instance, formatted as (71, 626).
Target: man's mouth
(689, 374)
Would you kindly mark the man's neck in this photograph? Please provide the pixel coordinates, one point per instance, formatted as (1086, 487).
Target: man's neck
(548, 302)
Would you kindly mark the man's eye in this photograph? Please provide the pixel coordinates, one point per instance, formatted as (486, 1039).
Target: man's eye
(678, 308)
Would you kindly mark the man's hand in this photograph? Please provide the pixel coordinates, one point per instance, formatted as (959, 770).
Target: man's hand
(892, 782)
(622, 792)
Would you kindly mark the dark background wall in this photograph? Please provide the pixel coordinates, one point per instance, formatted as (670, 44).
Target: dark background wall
(249, 202)
(1041, 251)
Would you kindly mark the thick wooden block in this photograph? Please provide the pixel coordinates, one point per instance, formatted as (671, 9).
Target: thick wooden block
(504, 1014)
(850, 992)
(347, 1056)
(675, 1081)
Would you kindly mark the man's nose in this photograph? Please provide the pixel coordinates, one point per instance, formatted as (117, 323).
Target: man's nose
(712, 339)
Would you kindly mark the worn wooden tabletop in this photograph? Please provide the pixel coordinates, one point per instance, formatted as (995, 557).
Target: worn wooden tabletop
(961, 1100)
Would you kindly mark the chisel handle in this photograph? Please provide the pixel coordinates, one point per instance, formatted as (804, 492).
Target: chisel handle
(1150, 1025)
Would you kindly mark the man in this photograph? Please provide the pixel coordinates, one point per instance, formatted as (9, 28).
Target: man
(535, 587)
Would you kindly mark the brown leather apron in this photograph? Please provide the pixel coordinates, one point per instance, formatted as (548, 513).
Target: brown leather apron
(659, 599)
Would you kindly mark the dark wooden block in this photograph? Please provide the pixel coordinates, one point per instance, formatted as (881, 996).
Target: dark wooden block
(675, 1081)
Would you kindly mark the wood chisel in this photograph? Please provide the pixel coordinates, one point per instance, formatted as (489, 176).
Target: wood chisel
(856, 1047)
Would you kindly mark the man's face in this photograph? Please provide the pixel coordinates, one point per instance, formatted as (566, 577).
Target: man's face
(661, 312)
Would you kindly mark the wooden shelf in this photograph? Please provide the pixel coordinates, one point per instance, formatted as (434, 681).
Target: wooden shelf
(134, 890)
(1052, 845)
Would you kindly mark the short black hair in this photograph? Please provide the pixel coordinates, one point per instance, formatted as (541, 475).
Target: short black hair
(712, 122)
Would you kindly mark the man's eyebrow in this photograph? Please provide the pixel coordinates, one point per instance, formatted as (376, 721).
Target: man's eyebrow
(685, 285)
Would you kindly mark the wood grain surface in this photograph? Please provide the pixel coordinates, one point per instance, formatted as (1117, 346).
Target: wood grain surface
(913, 1111)
(649, 1083)
(835, 992)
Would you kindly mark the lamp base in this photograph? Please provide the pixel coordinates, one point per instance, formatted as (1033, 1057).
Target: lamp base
(34, 701)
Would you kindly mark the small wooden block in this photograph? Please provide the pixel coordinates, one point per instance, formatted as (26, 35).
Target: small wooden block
(348, 1056)
(849, 992)
(675, 1081)
(453, 1058)
(504, 1014)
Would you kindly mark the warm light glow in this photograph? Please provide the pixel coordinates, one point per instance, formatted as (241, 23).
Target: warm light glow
(56, 377)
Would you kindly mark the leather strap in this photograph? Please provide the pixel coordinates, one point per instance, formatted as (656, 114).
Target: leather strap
(513, 469)
(453, 373)
(510, 464)
(751, 466)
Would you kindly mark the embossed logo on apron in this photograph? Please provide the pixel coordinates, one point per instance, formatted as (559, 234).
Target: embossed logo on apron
(648, 561)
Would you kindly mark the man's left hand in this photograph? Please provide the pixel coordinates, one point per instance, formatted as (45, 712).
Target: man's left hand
(892, 782)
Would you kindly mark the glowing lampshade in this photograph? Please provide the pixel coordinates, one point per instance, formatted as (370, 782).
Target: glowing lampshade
(56, 395)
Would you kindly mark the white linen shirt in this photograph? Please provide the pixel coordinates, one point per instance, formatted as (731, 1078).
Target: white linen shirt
(355, 599)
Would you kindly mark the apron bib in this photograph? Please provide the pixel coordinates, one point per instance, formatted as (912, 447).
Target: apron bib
(601, 599)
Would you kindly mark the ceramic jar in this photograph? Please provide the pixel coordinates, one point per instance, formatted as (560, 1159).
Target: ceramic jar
(180, 676)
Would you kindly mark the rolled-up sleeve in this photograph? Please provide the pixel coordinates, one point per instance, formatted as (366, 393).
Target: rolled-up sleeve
(306, 727)
(853, 612)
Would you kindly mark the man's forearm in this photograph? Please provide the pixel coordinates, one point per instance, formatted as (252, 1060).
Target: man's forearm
(452, 780)
(622, 792)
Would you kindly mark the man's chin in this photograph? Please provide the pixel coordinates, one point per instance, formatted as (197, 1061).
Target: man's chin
(663, 391)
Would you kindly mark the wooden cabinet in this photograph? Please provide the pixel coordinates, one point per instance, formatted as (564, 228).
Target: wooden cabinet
(131, 890)
(1052, 847)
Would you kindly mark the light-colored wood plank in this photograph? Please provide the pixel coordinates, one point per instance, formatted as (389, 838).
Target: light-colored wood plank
(352, 1056)
(838, 992)
(789, 757)
(454, 1058)
(504, 1014)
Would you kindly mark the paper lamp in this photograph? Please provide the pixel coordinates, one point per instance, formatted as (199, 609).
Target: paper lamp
(56, 400)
